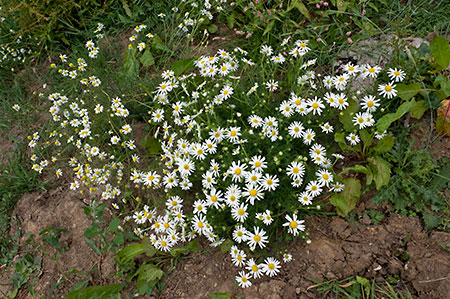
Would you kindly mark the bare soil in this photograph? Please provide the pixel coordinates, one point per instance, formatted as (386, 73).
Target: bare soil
(338, 250)
(398, 248)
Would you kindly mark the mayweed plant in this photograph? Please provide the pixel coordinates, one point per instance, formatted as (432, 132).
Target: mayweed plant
(14, 48)
(247, 146)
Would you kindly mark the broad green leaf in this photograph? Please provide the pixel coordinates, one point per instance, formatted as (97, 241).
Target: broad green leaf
(118, 239)
(361, 169)
(100, 292)
(158, 44)
(114, 224)
(213, 28)
(92, 245)
(346, 200)
(269, 27)
(230, 21)
(431, 220)
(148, 277)
(147, 58)
(182, 66)
(190, 247)
(348, 114)
(149, 249)
(440, 50)
(418, 110)
(382, 171)
(385, 121)
(126, 8)
(130, 252)
(225, 247)
(219, 295)
(444, 82)
(406, 92)
(154, 146)
(340, 139)
(366, 137)
(130, 67)
(92, 231)
(384, 145)
(301, 8)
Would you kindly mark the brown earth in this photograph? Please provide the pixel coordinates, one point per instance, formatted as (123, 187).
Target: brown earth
(338, 250)
(398, 247)
(59, 208)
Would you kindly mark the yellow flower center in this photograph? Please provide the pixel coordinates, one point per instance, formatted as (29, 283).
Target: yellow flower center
(254, 268)
(314, 188)
(269, 182)
(369, 103)
(237, 171)
(315, 105)
(186, 166)
(257, 238)
(397, 73)
(257, 164)
(253, 192)
(295, 170)
(293, 224)
(341, 101)
(200, 224)
(388, 88)
(254, 178)
(163, 243)
(244, 279)
(325, 176)
(213, 198)
(271, 266)
(241, 212)
(298, 102)
(233, 133)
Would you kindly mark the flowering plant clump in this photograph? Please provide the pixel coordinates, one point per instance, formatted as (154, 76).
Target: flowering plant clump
(246, 145)
(14, 48)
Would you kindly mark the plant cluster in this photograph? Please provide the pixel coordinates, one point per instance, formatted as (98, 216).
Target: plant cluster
(15, 47)
(238, 146)
(247, 145)
(415, 187)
